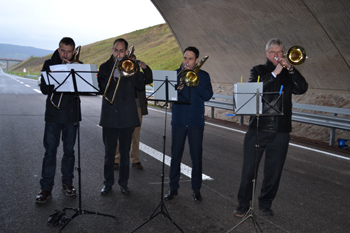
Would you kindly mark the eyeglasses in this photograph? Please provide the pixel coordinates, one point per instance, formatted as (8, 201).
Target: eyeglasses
(274, 52)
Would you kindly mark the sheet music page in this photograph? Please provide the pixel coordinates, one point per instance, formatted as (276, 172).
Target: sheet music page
(60, 77)
(85, 74)
(245, 98)
(44, 76)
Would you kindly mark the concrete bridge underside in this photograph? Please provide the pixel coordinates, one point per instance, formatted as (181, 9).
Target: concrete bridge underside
(234, 34)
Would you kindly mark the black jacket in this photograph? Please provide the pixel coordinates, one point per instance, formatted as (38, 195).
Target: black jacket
(123, 112)
(292, 84)
(69, 111)
(148, 77)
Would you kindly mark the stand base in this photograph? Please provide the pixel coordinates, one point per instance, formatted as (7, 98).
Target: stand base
(78, 212)
(250, 214)
(162, 211)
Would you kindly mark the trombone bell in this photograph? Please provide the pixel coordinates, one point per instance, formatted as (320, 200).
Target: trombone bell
(127, 68)
(296, 55)
(190, 78)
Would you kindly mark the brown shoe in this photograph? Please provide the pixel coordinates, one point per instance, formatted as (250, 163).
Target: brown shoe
(137, 165)
(43, 196)
(116, 166)
(69, 190)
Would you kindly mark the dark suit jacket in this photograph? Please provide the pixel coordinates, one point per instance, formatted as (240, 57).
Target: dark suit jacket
(148, 77)
(123, 112)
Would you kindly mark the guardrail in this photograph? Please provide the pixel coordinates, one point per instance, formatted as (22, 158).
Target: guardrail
(31, 76)
(317, 115)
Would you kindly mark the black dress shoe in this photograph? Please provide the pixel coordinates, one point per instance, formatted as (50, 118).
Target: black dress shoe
(125, 190)
(69, 190)
(266, 211)
(170, 195)
(197, 197)
(106, 189)
(43, 196)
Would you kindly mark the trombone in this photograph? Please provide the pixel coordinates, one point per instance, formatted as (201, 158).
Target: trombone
(190, 78)
(296, 55)
(126, 67)
(75, 60)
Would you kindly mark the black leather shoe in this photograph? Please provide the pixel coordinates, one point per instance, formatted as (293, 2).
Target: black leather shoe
(240, 211)
(43, 196)
(106, 189)
(125, 190)
(69, 190)
(266, 211)
(197, 197)
(170, 195)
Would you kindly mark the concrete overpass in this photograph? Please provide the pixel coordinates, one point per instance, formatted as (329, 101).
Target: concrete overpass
(7, 60)
(234, 34)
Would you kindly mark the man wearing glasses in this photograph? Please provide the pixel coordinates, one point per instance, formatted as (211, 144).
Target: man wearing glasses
(271, 134)
(118, 118)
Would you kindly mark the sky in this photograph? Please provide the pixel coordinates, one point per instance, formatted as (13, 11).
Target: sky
(43, 23)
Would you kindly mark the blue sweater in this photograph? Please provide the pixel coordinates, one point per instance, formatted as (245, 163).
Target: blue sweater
(192, 114)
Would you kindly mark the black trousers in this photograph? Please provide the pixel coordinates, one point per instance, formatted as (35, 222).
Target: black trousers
(275, 146)
(110, 140)
(195, 141)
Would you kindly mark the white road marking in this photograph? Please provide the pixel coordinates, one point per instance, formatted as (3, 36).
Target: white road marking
(186, 170)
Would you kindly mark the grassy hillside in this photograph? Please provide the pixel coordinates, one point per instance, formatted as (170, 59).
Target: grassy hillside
(155, 45)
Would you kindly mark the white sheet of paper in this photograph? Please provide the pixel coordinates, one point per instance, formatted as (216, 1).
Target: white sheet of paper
(83, 79)
(245, 98)
(159, 77)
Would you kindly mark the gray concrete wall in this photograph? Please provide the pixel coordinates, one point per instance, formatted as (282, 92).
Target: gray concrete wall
(234, 33)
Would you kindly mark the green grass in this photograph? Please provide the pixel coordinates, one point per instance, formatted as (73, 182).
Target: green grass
(155, 45)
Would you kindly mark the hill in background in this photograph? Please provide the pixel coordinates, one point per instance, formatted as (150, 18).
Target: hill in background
(156, 46)
(21, 52)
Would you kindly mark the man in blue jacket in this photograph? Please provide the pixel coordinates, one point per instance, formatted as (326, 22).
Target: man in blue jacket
(188, 121)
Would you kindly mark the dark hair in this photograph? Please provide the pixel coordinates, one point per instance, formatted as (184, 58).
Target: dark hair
(67, 41)
(192, 49)
(121, 40)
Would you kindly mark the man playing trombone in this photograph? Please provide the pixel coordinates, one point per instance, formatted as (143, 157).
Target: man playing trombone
(188, 121)
(60, 118)
(141, 102)
(119, 115)
(269, 134)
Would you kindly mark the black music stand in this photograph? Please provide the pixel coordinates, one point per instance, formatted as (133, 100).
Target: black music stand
(162, 209)
(79, 210)
(277, 110)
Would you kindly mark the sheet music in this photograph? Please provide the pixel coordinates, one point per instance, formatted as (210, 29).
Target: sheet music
(159, 77)
(87, 72)
(245, 98)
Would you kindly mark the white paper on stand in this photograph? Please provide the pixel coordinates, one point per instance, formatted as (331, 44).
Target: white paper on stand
(85, 74)
(245, 95)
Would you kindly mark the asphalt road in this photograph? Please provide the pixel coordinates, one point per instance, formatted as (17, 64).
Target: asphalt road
(313, 194)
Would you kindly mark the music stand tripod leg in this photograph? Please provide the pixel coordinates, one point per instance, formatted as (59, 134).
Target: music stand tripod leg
(162, 210)
(79, 211)
(250, 213)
